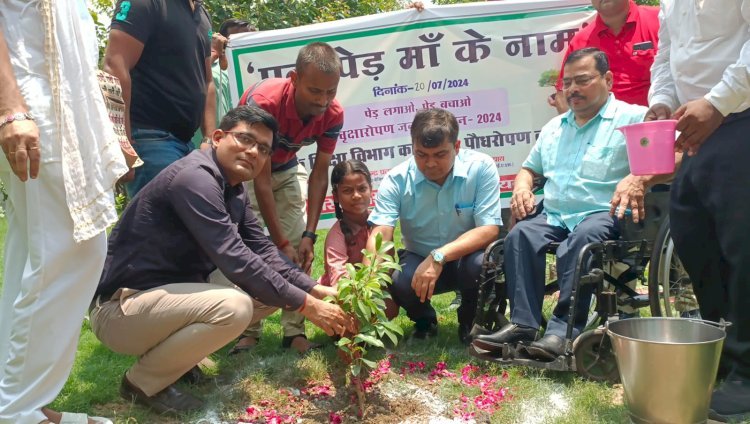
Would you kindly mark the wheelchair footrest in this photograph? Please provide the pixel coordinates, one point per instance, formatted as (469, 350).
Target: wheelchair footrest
(506, 355)
(639, 301)
(512, 354)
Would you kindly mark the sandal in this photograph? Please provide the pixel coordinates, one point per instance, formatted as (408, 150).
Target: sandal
(78, 418)
(238, 348)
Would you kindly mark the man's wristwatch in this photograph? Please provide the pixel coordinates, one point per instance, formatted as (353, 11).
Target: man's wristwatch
(438, 256)
(311, 235)
(20, 116)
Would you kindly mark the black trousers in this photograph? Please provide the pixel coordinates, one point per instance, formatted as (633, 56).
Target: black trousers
(461, 274)
(710, 226)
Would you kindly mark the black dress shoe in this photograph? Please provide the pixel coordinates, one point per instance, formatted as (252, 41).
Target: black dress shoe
(548, 348)
(731, 401)
(511, 333)
(422, 333)
(194, 376)
(168, 401)
(464, 334)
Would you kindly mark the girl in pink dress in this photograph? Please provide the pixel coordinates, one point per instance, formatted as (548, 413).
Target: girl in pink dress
(351, 187)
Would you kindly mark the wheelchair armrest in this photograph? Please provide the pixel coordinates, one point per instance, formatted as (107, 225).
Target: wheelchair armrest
(657, 210)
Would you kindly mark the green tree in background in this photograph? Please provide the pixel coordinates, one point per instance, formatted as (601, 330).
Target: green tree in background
(291, 13)
(278, 14)
(264, 14)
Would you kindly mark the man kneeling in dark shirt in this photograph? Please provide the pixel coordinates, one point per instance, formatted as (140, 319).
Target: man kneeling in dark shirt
(155, 298)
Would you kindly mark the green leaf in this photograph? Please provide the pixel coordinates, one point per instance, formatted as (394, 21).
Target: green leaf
(364, 311)
(369, 363)
(356, 368)
(393, 327)
(393, 337)
(368, 339)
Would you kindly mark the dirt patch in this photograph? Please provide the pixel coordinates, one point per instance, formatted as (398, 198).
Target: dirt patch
(618, 395)
(544, 409)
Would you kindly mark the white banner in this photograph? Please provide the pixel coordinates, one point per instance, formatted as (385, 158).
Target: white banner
(485, 62)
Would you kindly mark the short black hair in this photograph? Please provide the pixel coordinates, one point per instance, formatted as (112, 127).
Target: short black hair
(250, 115)
(602, 62)
(227, 25)
(431, 127)
(319, 54)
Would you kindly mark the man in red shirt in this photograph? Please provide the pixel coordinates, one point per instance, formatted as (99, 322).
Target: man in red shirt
(629, 35)
(307, 112)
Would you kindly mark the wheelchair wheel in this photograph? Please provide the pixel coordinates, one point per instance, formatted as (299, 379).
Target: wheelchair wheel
(594, 357)
(492, 302)
(670, 290)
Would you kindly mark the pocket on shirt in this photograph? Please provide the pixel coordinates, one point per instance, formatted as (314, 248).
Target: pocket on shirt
(717, 18)
(596, 162)
(642, 59)
(465, 212)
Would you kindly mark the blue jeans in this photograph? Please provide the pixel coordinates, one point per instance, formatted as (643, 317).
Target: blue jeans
(158, 149)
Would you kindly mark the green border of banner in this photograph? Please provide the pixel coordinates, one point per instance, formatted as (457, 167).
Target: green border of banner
(504, 195)
(398, 28)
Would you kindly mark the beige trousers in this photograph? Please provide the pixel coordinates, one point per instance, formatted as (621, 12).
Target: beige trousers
(172, 327)
(290, 194)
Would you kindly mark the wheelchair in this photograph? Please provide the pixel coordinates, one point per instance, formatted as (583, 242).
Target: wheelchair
(611, 266)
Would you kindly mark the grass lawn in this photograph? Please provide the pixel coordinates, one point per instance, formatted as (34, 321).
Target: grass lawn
(269, 377)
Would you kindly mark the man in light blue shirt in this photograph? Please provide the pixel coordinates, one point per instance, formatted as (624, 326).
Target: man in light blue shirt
(448, 203)
(584, 160)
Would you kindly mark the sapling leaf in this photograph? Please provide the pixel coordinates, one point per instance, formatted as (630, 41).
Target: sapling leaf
(393, 327)
(369, 363)
(368, 339)
(391, 336)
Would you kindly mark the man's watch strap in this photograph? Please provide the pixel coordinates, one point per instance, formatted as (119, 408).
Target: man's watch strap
(19, 116)
(311, 235)
(438, 256)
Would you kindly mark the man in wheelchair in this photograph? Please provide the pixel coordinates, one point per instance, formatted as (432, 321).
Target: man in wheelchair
(588, 189)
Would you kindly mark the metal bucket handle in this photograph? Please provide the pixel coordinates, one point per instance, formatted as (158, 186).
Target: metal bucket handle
(722, 324)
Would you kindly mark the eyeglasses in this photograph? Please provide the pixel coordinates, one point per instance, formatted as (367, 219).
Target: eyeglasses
(248, 141)
(580, 80)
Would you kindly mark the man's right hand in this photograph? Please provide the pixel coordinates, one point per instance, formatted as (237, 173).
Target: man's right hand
(20, 143)
(658, 112)
(522, 203)
(218, 49)
(329, 317)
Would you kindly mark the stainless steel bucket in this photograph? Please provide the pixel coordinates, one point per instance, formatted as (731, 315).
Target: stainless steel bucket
(667, 367)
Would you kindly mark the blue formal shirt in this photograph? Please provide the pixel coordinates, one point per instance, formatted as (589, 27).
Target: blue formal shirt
(582, 165)
(432, 215)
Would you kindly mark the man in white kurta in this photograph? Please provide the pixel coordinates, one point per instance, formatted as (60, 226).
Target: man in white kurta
(61, 159)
